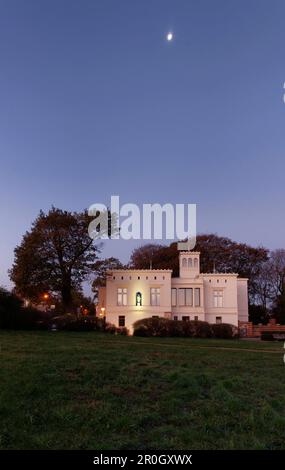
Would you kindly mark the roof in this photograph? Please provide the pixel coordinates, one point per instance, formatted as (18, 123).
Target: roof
(139, 271)
(218, 274)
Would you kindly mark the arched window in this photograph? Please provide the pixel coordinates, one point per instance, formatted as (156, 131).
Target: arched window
(196, 262)
(184, 263)
(190, 263)
(138, 299)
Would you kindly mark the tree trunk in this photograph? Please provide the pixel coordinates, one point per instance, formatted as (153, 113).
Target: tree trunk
(66, 298)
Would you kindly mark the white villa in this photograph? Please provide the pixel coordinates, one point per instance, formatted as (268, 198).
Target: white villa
(133, 294)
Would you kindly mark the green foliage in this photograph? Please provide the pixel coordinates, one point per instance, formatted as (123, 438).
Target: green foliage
(71, 390)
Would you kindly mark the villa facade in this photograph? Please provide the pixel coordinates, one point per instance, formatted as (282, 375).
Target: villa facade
(133, 294)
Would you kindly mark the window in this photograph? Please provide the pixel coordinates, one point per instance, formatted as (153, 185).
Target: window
(121, 320)
(190, 263)
(189, 296)
(196, 318)
(184, 263)
(155, 316)
(185, 318)
(218, 320)
(181, 297)
(196, 263)
(122, 296)
(154, 296)
(175, 317)
(185, 297)
(173, 297)
(197, 297)
(218, 298)
(138, 299)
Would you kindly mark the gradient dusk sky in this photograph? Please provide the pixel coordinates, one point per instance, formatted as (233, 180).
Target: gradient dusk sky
(94, 102)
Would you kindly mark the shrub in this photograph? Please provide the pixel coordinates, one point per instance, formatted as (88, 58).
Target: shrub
(202, 329)
(224, 331)
(177, 328)
(80, 324)
(267, 336)
(165, 327)
(122, 330)
(14, 316)
(152, 327)
(110, 328)
(141, 330)
(189, 329)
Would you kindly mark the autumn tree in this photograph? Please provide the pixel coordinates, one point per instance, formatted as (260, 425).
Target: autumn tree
(55, 256)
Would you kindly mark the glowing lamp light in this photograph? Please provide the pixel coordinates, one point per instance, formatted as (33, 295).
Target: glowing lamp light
(46, 296)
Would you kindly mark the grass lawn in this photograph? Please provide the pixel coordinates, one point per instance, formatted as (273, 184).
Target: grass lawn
(94, 391)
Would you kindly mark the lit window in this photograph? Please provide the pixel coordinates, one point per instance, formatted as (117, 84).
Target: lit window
(197, 297)
(138, 299)
(154, 296)
(218, 298)
(218, 320)
(122, 296)
(173, 297)
(121, 321)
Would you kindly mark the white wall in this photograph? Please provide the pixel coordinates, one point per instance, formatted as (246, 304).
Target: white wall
(242, 298)
(137, 281)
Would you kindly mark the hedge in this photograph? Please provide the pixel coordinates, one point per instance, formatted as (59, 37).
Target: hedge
(163, 327)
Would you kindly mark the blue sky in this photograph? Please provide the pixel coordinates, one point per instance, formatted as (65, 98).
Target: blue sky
(95, 102)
